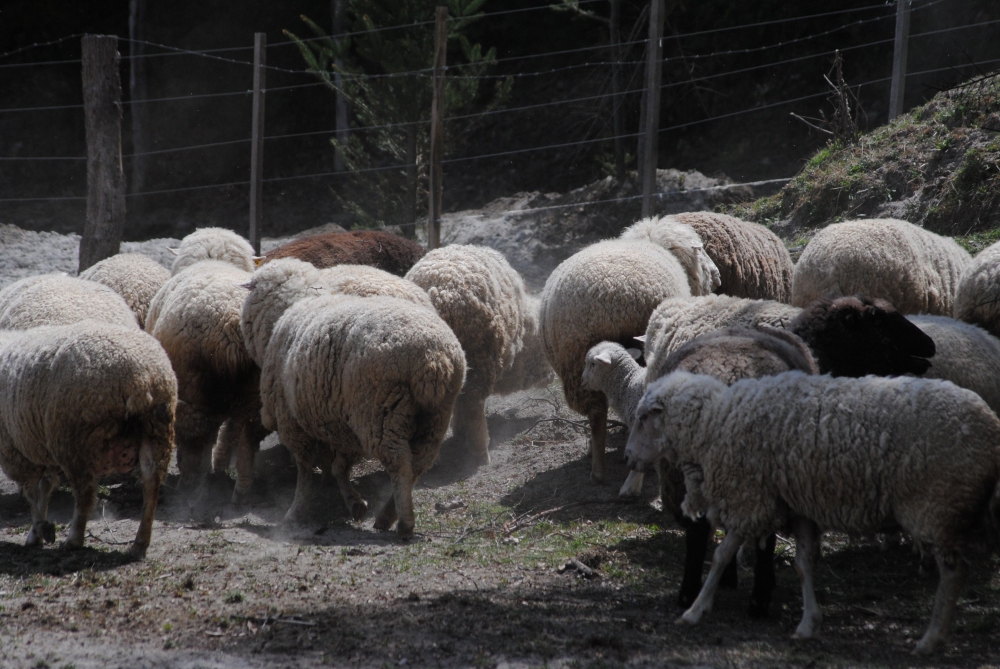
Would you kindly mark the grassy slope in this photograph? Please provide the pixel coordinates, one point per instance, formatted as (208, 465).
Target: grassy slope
(937, 166)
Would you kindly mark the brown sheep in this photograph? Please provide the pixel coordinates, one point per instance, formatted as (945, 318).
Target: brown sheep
(376, 248)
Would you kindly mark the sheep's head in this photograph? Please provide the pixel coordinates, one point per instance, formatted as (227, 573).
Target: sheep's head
(857, 335)
(681, 240)
(601, 359)
(274, 287)
(666, 417)
(213, 244)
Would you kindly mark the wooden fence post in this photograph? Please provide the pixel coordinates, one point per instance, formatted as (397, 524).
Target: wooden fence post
(897, 92)
(437, 129)
(138, 92)
(102, 108)
(257, 139)
(654, 70)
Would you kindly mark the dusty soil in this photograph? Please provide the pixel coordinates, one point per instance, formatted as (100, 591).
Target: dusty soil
(482, 584)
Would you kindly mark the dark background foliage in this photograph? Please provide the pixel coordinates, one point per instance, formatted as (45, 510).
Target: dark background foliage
(760, 145)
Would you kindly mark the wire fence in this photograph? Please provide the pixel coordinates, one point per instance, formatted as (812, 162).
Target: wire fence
(457, 72)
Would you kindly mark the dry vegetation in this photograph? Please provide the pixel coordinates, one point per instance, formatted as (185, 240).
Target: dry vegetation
(936, 166)
(485, 583)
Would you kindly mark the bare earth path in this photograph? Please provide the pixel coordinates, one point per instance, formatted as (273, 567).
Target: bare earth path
(483, 585)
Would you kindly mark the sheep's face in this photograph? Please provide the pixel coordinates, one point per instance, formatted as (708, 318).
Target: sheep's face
(703, 275)
(667, 418)
(601, 359)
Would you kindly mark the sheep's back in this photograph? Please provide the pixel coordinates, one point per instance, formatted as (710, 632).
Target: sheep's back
(978, 298)
(61, 385)
(354, 361)
(606, 292)
(196, 317)
(677, 321)
(753, 262)
(135, 277)
(854, 455)
(367, 281)
(57, 299)
(480, 296)
(377, 248)
(965, 354)
(912, 269)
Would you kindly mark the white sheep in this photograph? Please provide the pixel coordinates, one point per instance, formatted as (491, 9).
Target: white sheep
(914, 270)
(676, 321)
(285, 281)
(78, 402)
(966, 355)
(606, 292)
(978, 297)
(196, 317)
(57, 299)
(482, 298)
(133, 276)
(213, 244)
(752, 261)
(374, 377)
(816, 453)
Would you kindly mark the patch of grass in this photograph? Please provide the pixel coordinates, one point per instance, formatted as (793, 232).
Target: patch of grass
(233, 597)
(978, 241)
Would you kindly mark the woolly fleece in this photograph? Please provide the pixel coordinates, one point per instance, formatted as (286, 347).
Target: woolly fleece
(371, 376)
(978, 298)
(196, 318)
(682, 241)
(79, 401)
(677, 321)
(753, 261)
(134, 276)
(967, 355)
(480, 296)
(214, 244)
(914, 270)
(57, 299)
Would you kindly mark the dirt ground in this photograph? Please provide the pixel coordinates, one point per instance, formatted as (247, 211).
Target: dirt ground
(483, 584)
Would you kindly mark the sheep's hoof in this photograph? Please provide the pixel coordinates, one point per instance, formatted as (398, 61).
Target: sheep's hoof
(70, 545)
(383, 523)
(687, 619)
(359, 510)
(404, 530)
(42, 531)
(924, 647)
(138, 551)
(239, 498)
(597, 479)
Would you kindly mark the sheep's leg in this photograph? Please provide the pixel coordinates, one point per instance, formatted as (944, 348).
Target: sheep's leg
(38, 493)
(303, 489)
(85, 491)
(251, 432)
(340, 469)
(222, 453)
(763, 578)
(952, 570)
(722, 557)
(598, 435)
(152, 478)
(806, 552)
(400, 507)
(696, 533)
(196, 432)
(469, 425)
(633, 485)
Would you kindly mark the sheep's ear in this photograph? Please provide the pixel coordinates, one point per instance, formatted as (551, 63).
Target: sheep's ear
(174, 251)
(259, 260)
(604, 357)
(248, 285)
(641, 339)
(634, 352)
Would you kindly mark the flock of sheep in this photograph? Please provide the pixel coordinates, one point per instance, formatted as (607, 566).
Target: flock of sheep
(767, 396)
